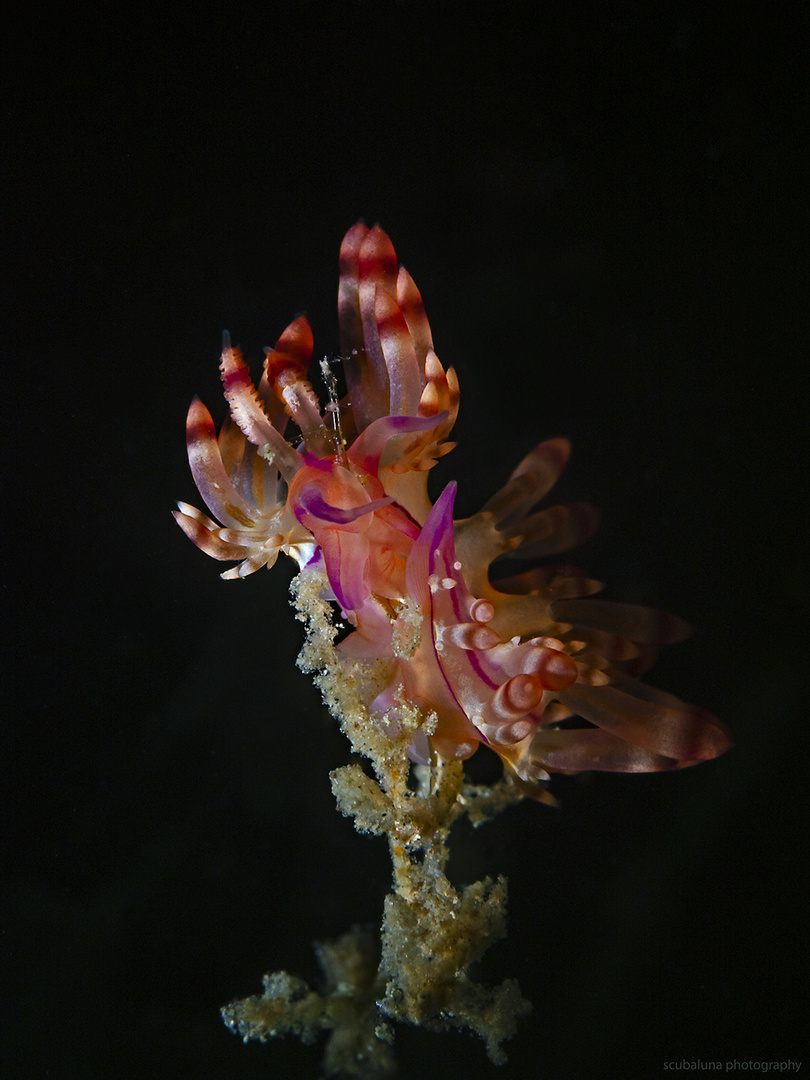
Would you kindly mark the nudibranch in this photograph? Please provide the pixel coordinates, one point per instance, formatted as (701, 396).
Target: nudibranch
(531, 664)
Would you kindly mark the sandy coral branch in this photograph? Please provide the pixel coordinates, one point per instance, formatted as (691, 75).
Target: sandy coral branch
(431, 932)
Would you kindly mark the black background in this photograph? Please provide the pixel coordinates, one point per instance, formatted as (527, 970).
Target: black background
(604, 207)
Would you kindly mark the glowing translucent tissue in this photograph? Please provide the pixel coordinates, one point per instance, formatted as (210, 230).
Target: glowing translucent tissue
(443, 655)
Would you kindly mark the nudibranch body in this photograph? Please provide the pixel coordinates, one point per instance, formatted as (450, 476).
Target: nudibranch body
(505, 662)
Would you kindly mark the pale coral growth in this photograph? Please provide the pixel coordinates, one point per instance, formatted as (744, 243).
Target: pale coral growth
(431, 932)
(358, 1044)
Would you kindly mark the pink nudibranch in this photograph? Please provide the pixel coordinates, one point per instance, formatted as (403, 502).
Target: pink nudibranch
(501, 662)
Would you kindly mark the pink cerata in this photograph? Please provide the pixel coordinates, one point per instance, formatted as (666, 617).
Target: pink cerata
(498, 661)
